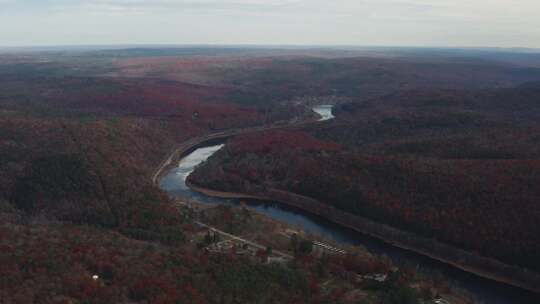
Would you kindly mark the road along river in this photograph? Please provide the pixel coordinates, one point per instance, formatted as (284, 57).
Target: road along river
(486, 291)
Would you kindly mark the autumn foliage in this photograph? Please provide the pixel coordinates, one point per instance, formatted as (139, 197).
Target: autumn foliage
(82, 133)
(457, 166)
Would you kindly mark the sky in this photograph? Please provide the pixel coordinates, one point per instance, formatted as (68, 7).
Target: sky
(444, 23)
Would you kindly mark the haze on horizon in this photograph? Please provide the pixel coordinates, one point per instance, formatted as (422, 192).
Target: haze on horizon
(445, 23)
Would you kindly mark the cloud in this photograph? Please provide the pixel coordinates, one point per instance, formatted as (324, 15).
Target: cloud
(388, 22)
(176, 6)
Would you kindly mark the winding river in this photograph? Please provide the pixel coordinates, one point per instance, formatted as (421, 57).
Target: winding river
(486, 291)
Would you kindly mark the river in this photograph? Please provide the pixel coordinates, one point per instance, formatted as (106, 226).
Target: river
(486, 291)
(325, 111)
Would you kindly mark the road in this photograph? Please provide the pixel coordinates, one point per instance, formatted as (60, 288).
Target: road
(239, 239)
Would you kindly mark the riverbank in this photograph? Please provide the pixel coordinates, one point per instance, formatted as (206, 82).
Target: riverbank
(461, 259)
(186, 147)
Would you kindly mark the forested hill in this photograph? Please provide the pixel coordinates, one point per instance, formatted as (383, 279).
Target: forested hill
(458, 166)
(82, 132)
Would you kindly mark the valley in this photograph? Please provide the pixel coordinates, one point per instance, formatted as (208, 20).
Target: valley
(102, 151)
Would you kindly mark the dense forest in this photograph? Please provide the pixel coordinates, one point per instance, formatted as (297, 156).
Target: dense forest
(79, 140)
(460, 166)
(76, 198)
(419, 143)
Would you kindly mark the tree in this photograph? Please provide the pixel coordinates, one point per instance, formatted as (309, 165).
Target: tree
(305, 247)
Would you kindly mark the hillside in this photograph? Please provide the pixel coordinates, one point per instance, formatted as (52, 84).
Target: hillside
(78, 150)
(456, 166)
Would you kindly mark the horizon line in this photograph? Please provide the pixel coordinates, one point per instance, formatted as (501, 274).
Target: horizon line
(256, 45)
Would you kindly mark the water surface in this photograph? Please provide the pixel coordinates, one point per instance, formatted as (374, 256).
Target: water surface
(325, 111)
(177, 181)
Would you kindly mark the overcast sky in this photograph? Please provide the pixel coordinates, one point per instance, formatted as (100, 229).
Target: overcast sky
(499, 23)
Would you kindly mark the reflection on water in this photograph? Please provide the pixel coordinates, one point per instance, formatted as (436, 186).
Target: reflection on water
(185, 167)
(325, 111)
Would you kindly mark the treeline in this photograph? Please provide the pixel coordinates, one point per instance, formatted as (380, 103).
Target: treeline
(279, 79)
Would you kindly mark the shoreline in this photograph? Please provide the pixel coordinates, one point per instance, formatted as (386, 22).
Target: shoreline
(193, 143)
(482, 266)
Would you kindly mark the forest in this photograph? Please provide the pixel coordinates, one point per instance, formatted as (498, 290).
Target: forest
(79, 141)
(82, 132)
(458, 166)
